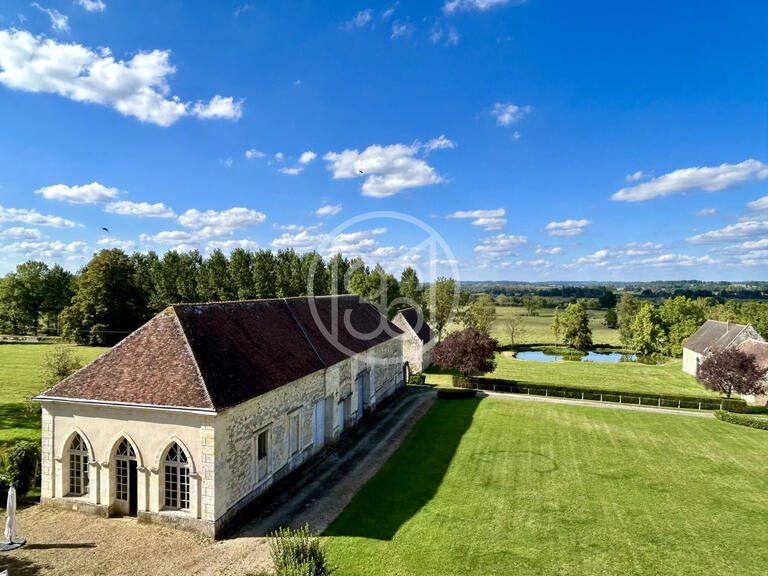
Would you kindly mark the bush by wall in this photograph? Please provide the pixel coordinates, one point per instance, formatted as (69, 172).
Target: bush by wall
(298, 553)
(21, 465)
(640, 398)
(417, 380)
(742, 419)
(456, 394)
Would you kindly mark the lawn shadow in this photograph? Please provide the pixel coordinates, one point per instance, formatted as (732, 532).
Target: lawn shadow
(411, 477)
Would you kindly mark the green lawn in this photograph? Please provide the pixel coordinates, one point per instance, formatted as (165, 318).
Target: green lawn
(498, 487)
(667, 378)
(20, 378)
(536, 329)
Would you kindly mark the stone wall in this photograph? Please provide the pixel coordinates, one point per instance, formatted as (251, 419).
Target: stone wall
(236, 430)
(150, 433)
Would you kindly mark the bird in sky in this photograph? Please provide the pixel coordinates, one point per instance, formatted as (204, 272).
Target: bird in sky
(106, 230)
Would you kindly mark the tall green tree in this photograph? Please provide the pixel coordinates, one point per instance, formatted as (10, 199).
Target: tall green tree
(338, 266)
(214, 283)
(441, 303)
(648, 331)
(264, 274)
(480, 314)
(31, 275)
(107, 304)
(410, 287)
(241, 273)
(58, 290)
(626, 310)
(681, 316)
(576, 330)
(289, 278)
(556, 325)
(314, 274)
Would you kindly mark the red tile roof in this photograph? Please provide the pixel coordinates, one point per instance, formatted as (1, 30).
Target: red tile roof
(219, 355)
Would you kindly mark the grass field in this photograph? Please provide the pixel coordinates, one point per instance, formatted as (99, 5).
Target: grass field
(667, 378)
(497, 487)
(536, 329)
(20, 378)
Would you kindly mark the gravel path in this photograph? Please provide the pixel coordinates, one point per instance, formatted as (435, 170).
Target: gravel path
(596, 404)
(67, 543)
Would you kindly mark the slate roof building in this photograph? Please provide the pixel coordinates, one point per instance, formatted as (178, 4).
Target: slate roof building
(418, 339)
(711, 336)
(198, 412)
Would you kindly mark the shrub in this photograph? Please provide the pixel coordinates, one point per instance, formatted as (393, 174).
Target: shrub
(4, 485)
(742, 419)
(58, 364)
(298, 553)
(21, 465)
(456, 394)
(417, 380)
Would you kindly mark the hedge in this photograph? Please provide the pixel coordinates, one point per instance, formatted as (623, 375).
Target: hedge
(456, 393)
(417, 379)
(500, 385)
(742, 420)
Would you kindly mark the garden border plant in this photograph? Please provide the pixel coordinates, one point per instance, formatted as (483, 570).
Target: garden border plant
(742, 419)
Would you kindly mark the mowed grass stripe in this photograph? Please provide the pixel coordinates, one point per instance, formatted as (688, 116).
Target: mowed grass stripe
(529, 488)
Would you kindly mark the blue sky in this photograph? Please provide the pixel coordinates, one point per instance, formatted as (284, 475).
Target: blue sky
(538, 140)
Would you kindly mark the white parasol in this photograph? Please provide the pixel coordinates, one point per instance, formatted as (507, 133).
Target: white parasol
(10, 509)
(11, 542)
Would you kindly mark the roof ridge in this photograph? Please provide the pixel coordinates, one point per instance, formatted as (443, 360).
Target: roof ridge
(191, 351)
(304, 332)
(273, 299)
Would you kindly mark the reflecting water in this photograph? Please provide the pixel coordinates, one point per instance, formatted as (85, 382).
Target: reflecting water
(608, 357)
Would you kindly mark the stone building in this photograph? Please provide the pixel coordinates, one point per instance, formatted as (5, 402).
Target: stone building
(758, 349)
(198, 412)
(714, 335)
(418, 339)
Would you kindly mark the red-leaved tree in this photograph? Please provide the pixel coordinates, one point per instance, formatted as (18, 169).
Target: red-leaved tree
(732, 370)
(466, 351)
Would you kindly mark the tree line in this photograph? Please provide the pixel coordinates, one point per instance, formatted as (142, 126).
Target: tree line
(115, 292)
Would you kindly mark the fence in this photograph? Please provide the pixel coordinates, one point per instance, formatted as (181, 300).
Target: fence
(636, 398)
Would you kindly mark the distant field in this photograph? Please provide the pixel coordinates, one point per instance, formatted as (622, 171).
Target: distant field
(667, 378)
(537, 329)
(495, 487)
(20, 378)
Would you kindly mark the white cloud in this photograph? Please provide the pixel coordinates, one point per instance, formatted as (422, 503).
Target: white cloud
(92, 5)
(388, 170)
(759, 205)
(507, 113)
(221, 223)
(59, 21)
(675, 260)
(488, 219)
(708, 178)
(45, 250)
(140, 209)
(360, 19)
(137, 87)
(34, 217)
(499, 245)
(253, 153)
(452, 6)
(328, 210)
(86, 194)
(307, 157)
(115, 243)
(279, 156)
(400, 29)
(568, 227)
(230, 245)
(302, 241)
(295, 171)
(219, 107)
(706, 212)
(439, 143)
(298, 227)
(746, 230)
(534, 263)
(635, 176)
(637, 249)
(596, 257)
(551, 251)
(20, 233)
(348, 243)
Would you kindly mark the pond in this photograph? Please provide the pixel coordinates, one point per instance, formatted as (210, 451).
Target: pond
(607, 357)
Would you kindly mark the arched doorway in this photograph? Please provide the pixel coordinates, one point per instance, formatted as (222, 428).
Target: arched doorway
(126, 483)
